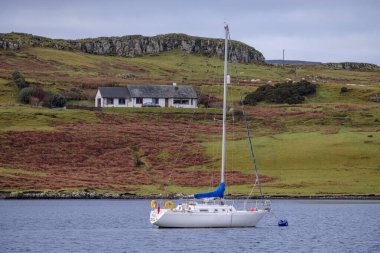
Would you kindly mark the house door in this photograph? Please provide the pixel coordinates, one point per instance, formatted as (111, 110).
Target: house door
(166, 102)
(99, 102)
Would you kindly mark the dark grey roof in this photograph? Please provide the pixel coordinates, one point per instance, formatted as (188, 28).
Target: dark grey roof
(114, 92)
(149, 91)
(184, 91)
(162, 91)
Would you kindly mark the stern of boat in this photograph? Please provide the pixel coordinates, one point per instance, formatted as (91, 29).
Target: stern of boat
(156, 215)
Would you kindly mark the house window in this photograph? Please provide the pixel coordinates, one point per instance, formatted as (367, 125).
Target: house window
(155, 101)
(121, 101)
(181, 101)
(109, 101)
(139, 100)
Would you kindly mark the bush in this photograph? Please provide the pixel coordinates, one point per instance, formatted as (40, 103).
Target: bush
(16, 74)
(343, 90)
(27, 93)
(250, 99)
(290, 93)
(58, 100)
(19, 80)
(209, 101)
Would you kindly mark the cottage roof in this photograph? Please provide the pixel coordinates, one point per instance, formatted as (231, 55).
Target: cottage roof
(114, 92)
(149, 91)
(184, 91)
(162, 91)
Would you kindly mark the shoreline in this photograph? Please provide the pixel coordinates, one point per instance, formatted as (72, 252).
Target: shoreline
(91, 195)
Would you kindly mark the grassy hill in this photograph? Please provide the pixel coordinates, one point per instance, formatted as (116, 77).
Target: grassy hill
(327, 146)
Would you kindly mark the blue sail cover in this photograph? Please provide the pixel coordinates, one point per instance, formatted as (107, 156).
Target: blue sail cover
(218, 193)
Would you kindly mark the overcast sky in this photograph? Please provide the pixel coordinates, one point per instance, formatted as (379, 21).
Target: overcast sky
(315, 30)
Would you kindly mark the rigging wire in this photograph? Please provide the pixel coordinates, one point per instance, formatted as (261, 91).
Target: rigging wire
(247, 128)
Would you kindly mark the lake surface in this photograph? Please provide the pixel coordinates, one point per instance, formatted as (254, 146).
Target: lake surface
(123, 226)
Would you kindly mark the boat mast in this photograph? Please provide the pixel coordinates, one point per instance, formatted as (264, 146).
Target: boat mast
(224, 102)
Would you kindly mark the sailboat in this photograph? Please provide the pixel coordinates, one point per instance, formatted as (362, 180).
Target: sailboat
(209, 210)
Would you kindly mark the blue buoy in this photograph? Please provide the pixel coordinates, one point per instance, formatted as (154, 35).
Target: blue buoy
(282, 223)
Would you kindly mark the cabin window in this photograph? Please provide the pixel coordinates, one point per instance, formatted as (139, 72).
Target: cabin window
(216, 210)
(223, 210)
(203, 210)
(155, 101)
(181, 101)
(109, 101)
(139, 100)
(121, 101)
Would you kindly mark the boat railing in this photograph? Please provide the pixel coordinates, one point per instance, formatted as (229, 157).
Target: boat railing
(263, 204)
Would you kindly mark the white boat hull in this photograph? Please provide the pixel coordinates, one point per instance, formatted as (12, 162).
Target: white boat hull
(173, 219)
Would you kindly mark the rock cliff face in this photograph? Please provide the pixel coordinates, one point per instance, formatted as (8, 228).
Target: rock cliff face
(351, 66)
(136, 45)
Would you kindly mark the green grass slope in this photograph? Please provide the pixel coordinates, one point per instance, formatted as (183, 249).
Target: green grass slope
(64, 70)
(327, 146)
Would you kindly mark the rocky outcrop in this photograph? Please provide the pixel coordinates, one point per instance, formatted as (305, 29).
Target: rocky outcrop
(135, 45)
(351, 66)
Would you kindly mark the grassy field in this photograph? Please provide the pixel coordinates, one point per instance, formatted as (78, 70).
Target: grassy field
(330, 145)
(310, 164)
(321, 155)
(22, 118)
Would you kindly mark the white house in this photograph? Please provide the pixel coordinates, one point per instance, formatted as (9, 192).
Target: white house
(183, 96)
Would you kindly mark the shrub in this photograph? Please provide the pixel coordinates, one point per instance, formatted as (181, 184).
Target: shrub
(48, 99)
(209, 101)
(343, 90)
(16, 74)
(27, 93)
(58, 100)
(19, 80)
(250, 99)
(290, 93)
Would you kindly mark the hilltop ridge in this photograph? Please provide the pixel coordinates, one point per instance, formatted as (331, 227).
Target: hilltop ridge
(136, 45)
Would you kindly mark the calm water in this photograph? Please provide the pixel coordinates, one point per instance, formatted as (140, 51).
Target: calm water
(123, 226)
